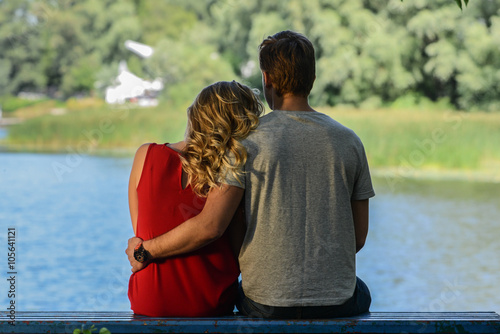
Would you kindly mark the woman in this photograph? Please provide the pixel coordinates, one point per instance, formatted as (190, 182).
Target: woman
(169, 183)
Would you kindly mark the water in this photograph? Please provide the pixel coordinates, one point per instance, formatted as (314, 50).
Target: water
(72, 224)
(432, 246)
(3, 133)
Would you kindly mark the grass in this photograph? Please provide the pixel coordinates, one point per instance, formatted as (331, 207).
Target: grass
(397, 139)
(91, 130)
(426, 140)
(10, 103)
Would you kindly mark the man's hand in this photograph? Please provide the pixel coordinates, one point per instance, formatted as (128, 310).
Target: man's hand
(132, 243)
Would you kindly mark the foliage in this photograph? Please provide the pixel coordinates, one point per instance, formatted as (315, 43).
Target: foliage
(188, 67)
(59, 45)
(92, 329)
(369, 53)
(459, 3)
(163, 19)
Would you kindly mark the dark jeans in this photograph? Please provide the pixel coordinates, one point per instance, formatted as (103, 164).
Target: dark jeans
(357, 304)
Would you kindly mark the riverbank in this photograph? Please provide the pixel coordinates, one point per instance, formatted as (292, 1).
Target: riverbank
(399, 143)
(392, 176)
(93, 127)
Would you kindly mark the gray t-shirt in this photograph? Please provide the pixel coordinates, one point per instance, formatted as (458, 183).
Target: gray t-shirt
(303, 170)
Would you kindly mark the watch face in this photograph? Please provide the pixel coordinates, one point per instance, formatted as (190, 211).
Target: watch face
(140, 254)
(139, 257)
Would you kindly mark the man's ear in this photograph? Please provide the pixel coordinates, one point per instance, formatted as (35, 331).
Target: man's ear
(266, 79)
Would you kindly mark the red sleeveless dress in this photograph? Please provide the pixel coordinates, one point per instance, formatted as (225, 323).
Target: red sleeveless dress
(202, 283)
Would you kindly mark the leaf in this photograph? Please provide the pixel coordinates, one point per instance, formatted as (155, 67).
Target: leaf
(77, 331)
(459, 3)
(104, 330)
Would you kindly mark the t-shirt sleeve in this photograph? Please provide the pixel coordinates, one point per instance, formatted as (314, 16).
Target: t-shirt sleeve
(229, 178)
(363, 188)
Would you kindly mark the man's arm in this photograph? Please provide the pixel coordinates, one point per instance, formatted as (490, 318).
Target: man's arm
(360, 216)
(196, 232)
(237, 229)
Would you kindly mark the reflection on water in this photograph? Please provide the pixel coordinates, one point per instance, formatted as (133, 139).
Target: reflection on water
(431, 246)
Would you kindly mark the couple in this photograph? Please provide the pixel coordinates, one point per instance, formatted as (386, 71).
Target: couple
(283, 198)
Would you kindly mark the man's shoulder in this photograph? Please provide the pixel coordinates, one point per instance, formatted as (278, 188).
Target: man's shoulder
(331, 121)
(278, 117)
(267, 123)
(268, 118)
(315, 124)
(336, 127)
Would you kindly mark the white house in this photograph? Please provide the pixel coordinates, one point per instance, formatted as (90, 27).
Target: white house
(129, 87)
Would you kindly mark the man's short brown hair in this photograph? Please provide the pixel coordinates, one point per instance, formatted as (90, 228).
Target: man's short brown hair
(288, 57)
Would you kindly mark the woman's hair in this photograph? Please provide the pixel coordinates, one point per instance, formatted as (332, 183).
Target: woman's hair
(221, 115)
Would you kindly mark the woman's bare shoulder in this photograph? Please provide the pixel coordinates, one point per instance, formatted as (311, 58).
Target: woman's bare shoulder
(142, 150)
(140, 154)
(140, 157)
(179, 146)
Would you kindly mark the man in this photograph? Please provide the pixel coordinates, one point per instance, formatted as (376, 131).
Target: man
(307, 185)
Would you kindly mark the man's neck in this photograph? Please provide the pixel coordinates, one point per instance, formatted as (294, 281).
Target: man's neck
(292, 103)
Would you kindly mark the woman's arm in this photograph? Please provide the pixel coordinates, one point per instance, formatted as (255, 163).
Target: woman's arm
(135, 176)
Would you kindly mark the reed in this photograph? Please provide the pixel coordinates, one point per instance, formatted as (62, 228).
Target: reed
(432, 140)
(426, 139)
(97, 129)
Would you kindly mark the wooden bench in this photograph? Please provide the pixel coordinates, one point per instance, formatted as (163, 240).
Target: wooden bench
(375, 322)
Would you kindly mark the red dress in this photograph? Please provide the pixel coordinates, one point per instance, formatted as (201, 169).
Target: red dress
(197, 284)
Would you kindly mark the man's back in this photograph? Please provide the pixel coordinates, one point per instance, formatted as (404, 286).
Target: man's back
(302, 172)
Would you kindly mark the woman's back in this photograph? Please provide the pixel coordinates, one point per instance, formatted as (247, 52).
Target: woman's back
(200, 283)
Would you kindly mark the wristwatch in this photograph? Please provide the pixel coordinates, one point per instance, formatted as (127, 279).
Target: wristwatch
(140, 254)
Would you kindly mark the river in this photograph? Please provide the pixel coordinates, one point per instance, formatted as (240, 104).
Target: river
(432, 245)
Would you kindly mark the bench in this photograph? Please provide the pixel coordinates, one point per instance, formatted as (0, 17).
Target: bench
(375, 322)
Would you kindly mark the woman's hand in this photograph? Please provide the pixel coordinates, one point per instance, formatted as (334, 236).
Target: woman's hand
(132, 243)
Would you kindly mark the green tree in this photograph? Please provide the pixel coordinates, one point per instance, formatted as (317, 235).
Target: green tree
(82, 35)
(162, 19)
(186, 68)
(460, 58)
(61, 44)
(21, 48)
(369, 53)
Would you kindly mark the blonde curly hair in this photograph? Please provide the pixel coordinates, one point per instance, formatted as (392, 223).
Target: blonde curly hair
(221, 116)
